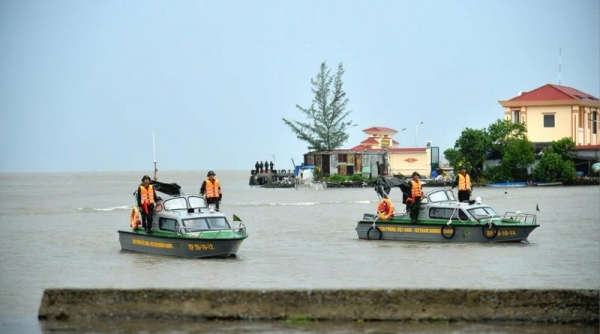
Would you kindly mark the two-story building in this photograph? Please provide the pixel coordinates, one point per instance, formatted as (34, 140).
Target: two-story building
(377, 154)
(553, 112)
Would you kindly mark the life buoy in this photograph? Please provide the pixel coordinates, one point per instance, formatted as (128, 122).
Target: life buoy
(447, 235)
(376, 229)
(385, 209)
(489, 231)
(134, 218)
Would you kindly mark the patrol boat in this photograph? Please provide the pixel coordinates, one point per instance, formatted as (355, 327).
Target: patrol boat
(184, 226)
(442, 218)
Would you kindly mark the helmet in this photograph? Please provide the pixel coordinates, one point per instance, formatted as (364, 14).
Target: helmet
(211, 173)
(146, 177)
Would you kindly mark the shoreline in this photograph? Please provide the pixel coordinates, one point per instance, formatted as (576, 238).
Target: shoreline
(422, 305)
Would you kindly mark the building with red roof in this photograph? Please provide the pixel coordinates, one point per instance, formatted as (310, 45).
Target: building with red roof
(552, 112)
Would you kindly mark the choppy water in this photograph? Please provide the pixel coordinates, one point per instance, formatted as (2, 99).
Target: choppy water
(60, 231)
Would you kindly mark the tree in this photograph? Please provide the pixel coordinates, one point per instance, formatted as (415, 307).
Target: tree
(469, 149)
(326, 129)
(564, 147)
(502, 132)
(504, 140)
(553, 168)
(556, 163)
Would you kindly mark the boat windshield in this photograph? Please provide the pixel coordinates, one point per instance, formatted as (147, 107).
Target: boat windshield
(197, 202)
(200, 224)
(483, 212)
(175, 203)
(441, 196)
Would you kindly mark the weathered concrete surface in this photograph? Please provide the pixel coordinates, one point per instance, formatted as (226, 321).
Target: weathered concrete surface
(544, 306)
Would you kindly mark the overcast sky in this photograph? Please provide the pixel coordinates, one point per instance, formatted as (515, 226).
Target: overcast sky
(84, 84)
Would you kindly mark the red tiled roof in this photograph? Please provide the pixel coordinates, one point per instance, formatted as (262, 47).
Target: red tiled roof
(553, 92)
(370, 140)
(380, 129)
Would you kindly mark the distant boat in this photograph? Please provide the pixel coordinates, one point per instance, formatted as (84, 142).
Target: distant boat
(507, 184)
(547, 184)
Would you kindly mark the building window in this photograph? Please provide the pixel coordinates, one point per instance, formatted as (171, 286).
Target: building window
(342, 158)
(594, 122)
(548, 121)
(516, 116)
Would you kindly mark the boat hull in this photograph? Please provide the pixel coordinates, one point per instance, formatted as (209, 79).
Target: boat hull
(139, 241)
(432, 232)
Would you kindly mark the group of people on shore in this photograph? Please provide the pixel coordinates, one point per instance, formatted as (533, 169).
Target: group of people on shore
(412, 198)
(260, 167)
(146, 197)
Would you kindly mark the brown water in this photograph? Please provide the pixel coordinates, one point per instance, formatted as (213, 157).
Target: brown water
(60, 231)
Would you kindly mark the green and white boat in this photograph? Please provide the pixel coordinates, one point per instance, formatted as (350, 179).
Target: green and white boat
(443, 219)
(184, 226)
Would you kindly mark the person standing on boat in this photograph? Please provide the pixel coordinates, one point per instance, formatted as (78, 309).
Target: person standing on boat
(146, 198)
(413, 203)
(463, 182)
(211, 190)
(256, 167)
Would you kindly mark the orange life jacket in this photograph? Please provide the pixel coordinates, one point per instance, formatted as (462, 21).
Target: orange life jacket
(416, 189)
(464, 182)
(213, 189)
(147, 194)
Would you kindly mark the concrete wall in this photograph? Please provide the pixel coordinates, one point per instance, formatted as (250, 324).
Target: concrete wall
(539, 306)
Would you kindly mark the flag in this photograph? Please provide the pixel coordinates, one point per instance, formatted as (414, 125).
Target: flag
(236, 218)
(537, 207)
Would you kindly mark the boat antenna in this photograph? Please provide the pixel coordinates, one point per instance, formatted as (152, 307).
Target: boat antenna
(154, 153)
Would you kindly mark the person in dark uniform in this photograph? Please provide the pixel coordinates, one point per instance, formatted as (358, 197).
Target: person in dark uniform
(146, 198)
(211, 190)
(256, 167)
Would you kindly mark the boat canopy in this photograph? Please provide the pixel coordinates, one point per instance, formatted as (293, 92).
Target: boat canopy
(386, 183)
(172, 189)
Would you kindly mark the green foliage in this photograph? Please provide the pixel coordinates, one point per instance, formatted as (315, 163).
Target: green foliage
(498, 174)
(518, 153)
(336, 178)
(326, 129)
(552, 167)
(564, 147)
(502, 138)
(469, 149)
(317, 174)
(356, 177)
(502, 132)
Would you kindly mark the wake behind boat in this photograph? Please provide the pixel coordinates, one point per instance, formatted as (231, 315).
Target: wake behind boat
(443, 219)
(184, 226)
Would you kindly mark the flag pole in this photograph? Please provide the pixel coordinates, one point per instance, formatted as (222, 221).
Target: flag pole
(154, 153)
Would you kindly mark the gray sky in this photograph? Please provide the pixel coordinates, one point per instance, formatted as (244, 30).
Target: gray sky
(84, 84)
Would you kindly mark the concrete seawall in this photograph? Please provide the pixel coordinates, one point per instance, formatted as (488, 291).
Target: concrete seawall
(539, 306)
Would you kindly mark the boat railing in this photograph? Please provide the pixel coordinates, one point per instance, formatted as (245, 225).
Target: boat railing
(520, 217)
(210, 233)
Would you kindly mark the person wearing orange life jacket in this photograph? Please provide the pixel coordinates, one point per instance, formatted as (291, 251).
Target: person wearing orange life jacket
(463, 182)
(146, 198)
(211, 190)
(414, 201)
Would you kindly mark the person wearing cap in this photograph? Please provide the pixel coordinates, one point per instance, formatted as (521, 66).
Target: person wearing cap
(463, 182)
(413, 203)
(211, 190)
(146, 198)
